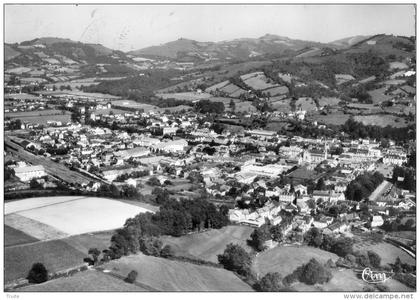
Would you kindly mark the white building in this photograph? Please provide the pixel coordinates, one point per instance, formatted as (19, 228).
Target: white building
(28, 172)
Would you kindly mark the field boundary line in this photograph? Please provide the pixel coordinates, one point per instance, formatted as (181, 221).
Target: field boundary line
(18, 211)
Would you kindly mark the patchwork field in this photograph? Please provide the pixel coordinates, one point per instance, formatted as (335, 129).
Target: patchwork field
(88, 281)
(286, 259)
(167, 275)
(207, 245)
(55, 255)
(227, 87)
(240, 106)
(258, 81)
(77, 216)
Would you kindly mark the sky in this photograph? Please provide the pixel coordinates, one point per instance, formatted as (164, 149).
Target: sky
(131, 27)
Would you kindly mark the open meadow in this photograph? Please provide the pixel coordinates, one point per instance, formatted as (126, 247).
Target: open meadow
(386, 251)
(87, 281)
(170, 276)
(207, 245)
(55, 255)
(285, 259)
(382, 120)
(13, 237)
(134, 105)
(333, 119)
(41, 116)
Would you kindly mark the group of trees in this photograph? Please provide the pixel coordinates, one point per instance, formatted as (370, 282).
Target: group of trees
(340, 246)
(397, 225)
(138, 88)
(311, 273)
(174, 218)
(359, 259)
(15, 124)
(236, 259)
(408, 175)
(269, 232)
(358, 130)
(124, 191)
(207, 106)
(363, 185)
(359, 92)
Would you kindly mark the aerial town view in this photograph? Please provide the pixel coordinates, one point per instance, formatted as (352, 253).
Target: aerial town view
(209, 148)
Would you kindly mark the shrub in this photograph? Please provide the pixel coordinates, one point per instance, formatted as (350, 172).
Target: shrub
(342, 247)
(271, 282)
(351, 258)
(236, 259)
(313, 237)
(131, 277)
(374, 259)
(330, 264)
(362, 260)
(167, 251)
(38, 273)
(314, 272)
(382, 288)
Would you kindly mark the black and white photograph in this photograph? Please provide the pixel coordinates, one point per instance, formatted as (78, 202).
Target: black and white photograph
(191, 147)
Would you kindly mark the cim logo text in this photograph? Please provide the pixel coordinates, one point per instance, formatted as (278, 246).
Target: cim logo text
(375, 277)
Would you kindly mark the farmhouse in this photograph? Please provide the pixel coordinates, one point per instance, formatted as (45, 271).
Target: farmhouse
(29, 172)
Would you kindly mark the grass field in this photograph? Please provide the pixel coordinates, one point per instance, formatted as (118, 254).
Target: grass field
(381, 120)
(278, 90)
(207, 245)
(386, 251)
(343, 280)
(167, 275)
(84, 215)
(258, 81)
(333, 119)
(285, 259)
(378, 95)
(41, 116)
(282, 105)
(240, 106)
(84, 242)
(87, 281)
(331, 101)
(134, 105)
(33, 228)
(55, 255)
(188, 96)
(305, 103)
(13, 237)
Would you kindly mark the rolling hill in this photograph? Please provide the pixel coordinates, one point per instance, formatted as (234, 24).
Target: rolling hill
(235, 49)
